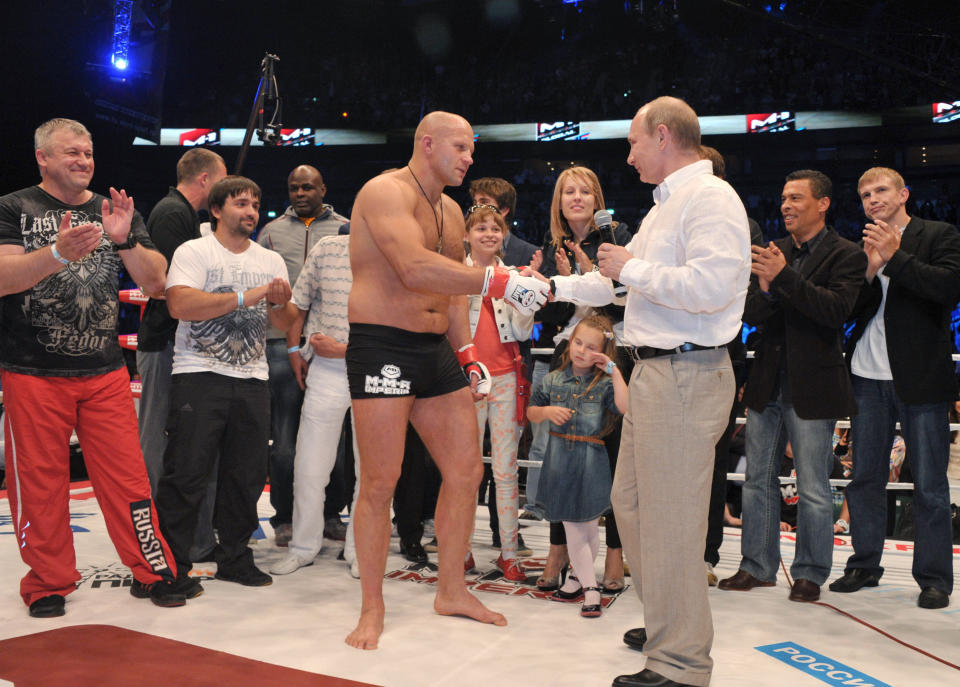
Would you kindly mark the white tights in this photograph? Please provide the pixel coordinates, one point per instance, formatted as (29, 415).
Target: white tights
(583, 543)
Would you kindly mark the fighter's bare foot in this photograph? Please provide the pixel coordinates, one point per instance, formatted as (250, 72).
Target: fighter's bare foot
(368, 630)
(466, 604)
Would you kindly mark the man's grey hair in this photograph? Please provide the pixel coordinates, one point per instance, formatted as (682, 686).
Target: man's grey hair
(43, 133)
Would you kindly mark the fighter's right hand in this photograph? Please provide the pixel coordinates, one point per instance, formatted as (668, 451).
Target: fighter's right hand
(525, 294)
(73, 243)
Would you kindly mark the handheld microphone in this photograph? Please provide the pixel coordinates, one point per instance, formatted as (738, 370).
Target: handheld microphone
(604, 222)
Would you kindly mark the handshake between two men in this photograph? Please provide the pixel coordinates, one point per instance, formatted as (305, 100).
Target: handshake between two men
(528, 290)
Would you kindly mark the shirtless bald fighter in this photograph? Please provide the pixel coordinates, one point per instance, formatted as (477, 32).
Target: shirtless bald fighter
(408, 314)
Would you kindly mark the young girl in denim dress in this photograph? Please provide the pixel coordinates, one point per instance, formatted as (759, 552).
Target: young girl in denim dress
(581, 400)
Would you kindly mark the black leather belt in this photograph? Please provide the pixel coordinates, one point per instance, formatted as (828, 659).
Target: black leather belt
(644, 352)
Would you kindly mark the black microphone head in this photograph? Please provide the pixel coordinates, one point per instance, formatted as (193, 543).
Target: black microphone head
(602, 218)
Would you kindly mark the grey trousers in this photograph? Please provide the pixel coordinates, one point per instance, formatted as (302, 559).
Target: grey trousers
(156, 369)
(679, 407)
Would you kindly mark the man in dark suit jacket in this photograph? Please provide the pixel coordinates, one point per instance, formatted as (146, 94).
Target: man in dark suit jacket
(802, 290)
(501, 194)
(901, 368)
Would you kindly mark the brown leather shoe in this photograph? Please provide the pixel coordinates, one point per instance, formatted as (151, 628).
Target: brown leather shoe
(805, 590)
(743, 582)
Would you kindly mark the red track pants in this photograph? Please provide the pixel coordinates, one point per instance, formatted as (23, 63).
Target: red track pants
(41, 413)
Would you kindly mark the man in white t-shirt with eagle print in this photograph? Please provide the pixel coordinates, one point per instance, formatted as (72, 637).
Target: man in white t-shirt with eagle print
(224, 288)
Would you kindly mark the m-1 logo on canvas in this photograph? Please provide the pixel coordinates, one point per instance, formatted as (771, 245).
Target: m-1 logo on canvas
(116, 575)
(490, 579)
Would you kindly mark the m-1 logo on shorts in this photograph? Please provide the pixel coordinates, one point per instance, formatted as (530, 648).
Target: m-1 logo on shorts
(388, 383)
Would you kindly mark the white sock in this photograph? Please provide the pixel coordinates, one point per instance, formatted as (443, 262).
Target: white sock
(583, 543)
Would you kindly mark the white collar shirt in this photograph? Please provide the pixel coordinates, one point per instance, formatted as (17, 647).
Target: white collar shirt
(687, 281)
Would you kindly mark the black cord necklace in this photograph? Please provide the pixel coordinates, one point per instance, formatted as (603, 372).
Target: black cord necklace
(439, 222)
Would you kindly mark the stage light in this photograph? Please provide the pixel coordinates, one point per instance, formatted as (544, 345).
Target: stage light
(344, 114)
(122, 18)
(271, 214)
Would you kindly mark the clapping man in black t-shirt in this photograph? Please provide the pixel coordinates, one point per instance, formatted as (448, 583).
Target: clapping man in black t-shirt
(61, 249)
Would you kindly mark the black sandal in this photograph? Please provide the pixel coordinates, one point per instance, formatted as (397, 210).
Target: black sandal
(552, 584)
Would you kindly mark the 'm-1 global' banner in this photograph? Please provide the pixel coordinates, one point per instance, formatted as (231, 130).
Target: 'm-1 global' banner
(771, 122)
(946, 112)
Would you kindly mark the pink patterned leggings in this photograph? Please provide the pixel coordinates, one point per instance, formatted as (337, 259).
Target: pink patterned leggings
(499, 408)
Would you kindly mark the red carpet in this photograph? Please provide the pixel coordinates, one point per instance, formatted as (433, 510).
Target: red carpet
(107, 656)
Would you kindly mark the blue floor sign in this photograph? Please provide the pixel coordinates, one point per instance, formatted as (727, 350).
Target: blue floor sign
(819, 666)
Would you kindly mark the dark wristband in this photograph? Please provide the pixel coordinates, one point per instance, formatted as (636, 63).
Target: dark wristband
(129, 243)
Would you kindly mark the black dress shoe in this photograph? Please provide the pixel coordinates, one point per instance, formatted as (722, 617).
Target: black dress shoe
(930, 597)
(646, 678)
(805, 590)
(854, 580)
(743, 582)
(635, 638)
(48, 607)
(413, 552)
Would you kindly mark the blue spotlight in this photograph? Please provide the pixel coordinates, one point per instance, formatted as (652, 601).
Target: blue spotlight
(122, 18)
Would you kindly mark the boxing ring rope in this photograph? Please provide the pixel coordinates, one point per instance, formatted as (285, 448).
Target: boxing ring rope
(739, 476)
(129, 341)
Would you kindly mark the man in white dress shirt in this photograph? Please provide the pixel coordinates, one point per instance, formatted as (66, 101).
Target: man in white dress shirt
(687, 271)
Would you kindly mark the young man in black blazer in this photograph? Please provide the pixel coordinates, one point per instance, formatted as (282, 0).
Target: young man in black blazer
(899, 355)
(802, 290)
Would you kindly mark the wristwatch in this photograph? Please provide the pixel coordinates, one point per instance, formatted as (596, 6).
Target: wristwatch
(609, 367)
(129, 243)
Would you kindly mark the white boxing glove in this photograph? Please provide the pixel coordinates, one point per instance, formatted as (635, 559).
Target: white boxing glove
(467, 357)
(526, 294)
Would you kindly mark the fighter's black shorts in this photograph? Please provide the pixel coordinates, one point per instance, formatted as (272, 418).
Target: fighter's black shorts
(386, 362)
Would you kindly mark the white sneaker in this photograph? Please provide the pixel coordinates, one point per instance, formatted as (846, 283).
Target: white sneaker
(711, 576)
(288, 564)
(355, 570)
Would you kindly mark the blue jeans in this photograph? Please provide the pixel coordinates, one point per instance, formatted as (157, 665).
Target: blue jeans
(926, 432)
(286, 399)
(811, 440)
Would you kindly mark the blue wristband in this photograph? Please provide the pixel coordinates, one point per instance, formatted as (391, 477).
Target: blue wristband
(239, 299)
(62, 260)
(609, 368)
(293, 349)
